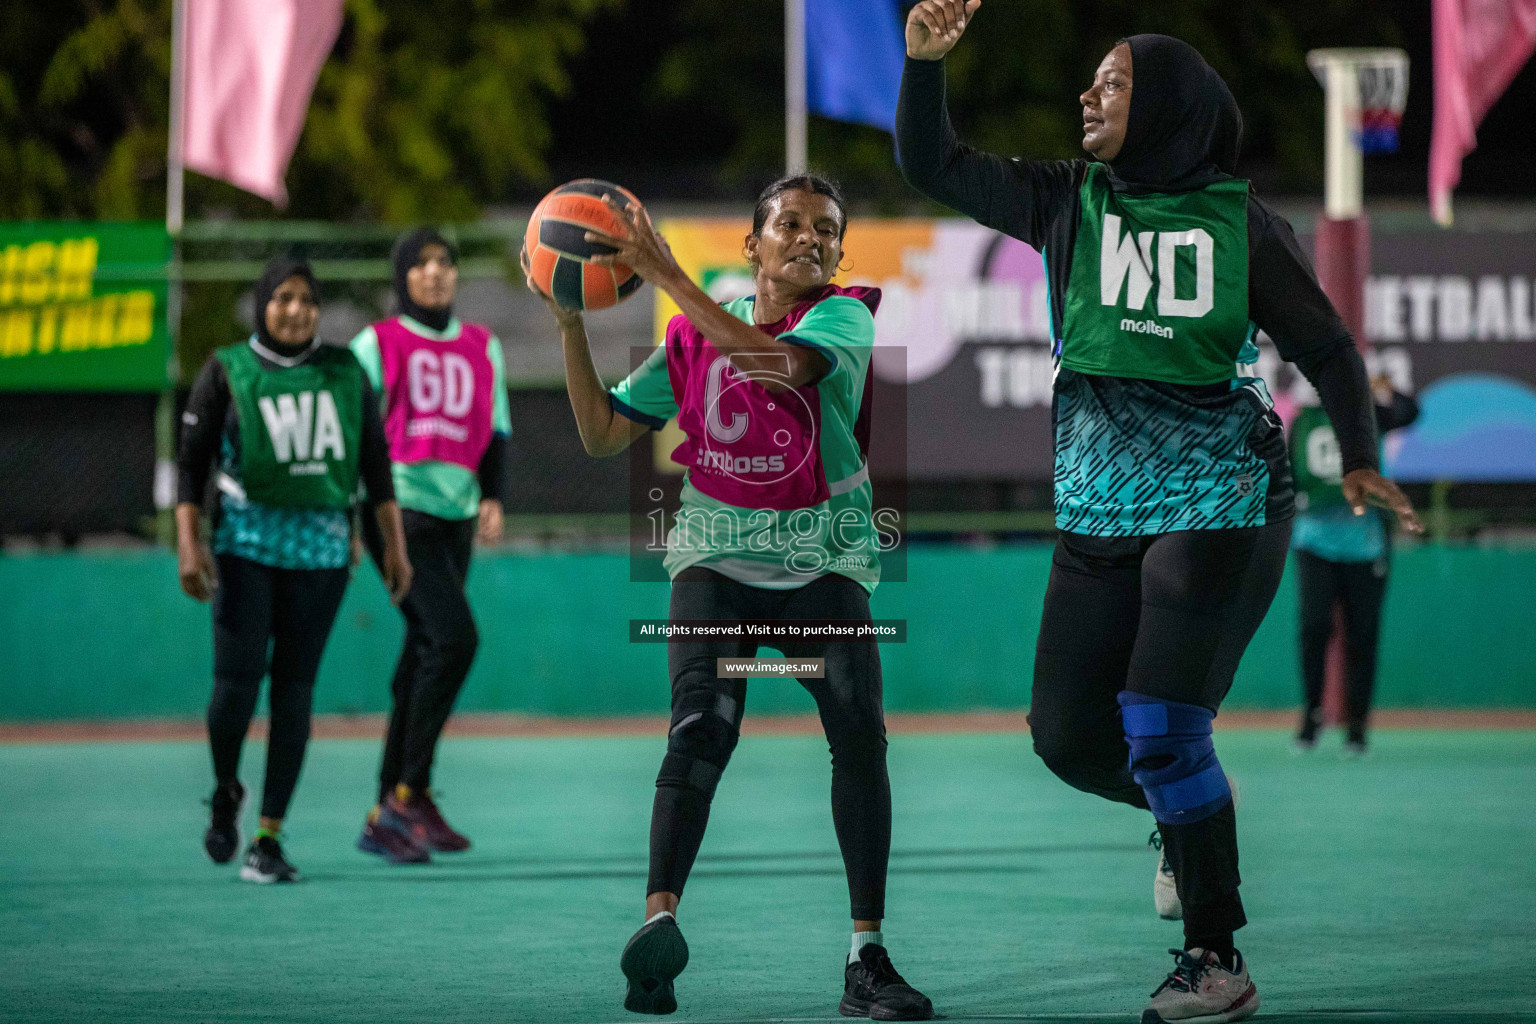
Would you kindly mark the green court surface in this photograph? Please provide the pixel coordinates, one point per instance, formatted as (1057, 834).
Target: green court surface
(1397, 888)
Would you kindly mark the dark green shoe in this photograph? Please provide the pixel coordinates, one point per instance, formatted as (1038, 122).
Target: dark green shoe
(653, 956)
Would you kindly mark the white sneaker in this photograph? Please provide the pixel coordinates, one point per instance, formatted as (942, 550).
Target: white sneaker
(1165, 891)
(1201, 991)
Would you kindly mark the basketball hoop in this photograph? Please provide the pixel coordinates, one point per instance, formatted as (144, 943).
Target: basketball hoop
(1365, 91)
(1383, 94)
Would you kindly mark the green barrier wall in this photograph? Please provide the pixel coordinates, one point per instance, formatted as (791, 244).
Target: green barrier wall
(110, 635)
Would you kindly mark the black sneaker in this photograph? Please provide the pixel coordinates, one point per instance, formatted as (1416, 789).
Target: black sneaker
(265, 863)
(873, 989)
(223, 836)
(653, 956)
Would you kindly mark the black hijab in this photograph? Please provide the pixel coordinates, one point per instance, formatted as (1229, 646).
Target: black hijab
(1184, 127)
(278, 270)
(407, 250)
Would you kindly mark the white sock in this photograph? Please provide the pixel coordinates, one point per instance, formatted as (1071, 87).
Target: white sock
(660, 915)
(862, 939)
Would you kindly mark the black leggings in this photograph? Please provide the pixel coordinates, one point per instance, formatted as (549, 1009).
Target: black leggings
(706, 723)
(440, 644)
(1167, 616)
(291, 610)
(1360, 588)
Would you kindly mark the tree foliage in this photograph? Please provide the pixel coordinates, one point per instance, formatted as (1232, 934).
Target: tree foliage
(422, 111)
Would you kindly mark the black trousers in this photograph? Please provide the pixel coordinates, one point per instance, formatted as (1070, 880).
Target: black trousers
(1167, 616)
(276, 620)
(1360, 589)
(440, 644)
(706, 723)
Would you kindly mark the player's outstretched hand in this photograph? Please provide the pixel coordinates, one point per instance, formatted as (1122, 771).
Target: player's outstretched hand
(1367, 487)
(935, 26)
(642, 249)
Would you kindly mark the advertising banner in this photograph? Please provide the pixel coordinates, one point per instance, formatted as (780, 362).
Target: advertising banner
(1452, 318)
(82, 307)
(965, 324)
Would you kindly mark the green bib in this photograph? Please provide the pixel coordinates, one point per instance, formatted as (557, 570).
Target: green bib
(1159, 284)
(1316, 462)
(300, 427)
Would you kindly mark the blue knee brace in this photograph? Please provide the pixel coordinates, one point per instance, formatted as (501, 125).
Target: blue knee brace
(1173, 758)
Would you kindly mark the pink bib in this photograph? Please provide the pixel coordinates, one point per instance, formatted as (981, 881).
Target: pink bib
(745, 445)
(438, 394)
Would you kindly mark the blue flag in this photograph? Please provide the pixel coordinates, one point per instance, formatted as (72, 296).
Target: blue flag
(854, 50)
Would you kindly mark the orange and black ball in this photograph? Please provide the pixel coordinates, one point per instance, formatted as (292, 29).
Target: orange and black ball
(558, 254)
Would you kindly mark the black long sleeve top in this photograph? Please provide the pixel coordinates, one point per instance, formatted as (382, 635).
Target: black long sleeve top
(492, 469)
(1400, 411)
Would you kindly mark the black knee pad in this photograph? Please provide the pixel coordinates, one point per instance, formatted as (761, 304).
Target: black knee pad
(863, 745)
(700, 743)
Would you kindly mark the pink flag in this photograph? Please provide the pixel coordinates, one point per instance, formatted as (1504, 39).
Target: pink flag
(1480, 45)
(249, 69)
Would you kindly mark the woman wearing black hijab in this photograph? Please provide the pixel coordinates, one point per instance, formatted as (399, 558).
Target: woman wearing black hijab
(1173, 490)
(289, 424)
(444, 403)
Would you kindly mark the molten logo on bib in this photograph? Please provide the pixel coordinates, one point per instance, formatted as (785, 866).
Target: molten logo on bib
(1146, 327)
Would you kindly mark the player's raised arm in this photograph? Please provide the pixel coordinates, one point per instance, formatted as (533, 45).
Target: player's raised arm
(1007, 194)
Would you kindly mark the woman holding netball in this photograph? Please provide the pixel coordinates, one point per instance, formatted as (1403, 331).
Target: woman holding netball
(769, 391)
(1173, 491)
(290, 425)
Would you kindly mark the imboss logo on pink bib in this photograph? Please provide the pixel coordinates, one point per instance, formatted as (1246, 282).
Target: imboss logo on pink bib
(745, 445)
(439, 394)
